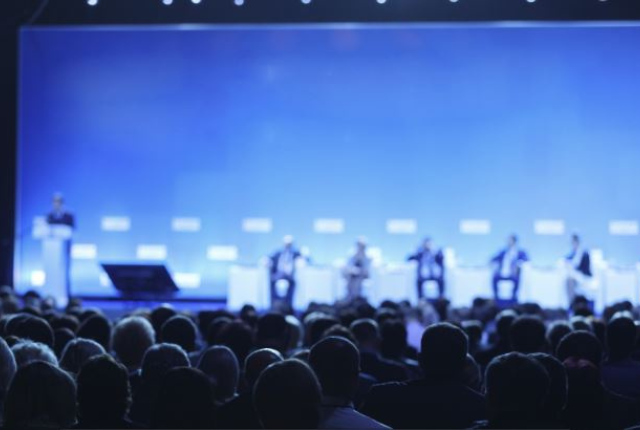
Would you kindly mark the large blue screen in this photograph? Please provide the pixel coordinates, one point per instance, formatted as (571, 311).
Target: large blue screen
(435, 126)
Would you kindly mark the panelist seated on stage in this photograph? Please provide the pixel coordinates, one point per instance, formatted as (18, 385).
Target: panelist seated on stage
(59, 215)
(430, 266)
(578, 263)
(507, 266)
(357, 269)
(282, 265)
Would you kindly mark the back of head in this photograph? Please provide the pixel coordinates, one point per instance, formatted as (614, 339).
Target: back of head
(160, 315)
(238, 336)
(257, 361)
(96, 327)
(582, 345)
(394, 338)
(61, 337)
(558, 385)
(26, 352)
(103, 391)
(503, 323)
(8, 367)
(287, 395)
(77, 352)
(40, 395)
(443, 351)
(516, 388)
(318, 326)
(621, 337)
(185, 399)
(35, 329)
(221, 367)
(555, 332)
(272, 331)
(336, 362)
(161, 358)
(528, 335)
(366, 332)
(132, 336)
(181, 331)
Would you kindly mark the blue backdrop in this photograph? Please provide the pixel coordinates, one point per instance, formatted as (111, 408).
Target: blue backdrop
(362, 123)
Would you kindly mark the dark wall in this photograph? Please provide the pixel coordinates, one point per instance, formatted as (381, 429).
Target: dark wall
(14, 13)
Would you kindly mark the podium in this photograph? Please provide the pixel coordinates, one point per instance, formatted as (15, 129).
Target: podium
(56, 258)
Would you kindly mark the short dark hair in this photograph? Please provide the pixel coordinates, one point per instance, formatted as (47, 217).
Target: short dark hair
(180, 330)
(528, 334)
(555, 332)
(185, 399)
(580, 344)
(257, 361)
(443, 350)
(287, 395)
(516, 385)
(621, 337)
(558, 384)
(365, 330)
(336, 362)
(103, 390)
(40, 390)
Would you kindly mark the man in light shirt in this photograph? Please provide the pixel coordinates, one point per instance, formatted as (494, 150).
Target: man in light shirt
(283, 266)
(430, 266)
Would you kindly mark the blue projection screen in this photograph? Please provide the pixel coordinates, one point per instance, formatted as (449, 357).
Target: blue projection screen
(273, 128)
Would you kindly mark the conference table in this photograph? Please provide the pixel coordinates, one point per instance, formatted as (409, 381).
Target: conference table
(397, 281)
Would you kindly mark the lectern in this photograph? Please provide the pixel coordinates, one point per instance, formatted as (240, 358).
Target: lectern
(56, 255)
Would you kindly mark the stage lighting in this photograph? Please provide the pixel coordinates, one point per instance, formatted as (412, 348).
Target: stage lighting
(305, 1)
(238, 2)
(167, 2)
(381, 1)
(92, 2)
(196, 1)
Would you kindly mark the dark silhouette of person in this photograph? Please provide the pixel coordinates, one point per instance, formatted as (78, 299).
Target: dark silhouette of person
(98, 328)
(367, 335)
(185, 400)
(439, 399)
(556, 399)
(516, 392)
(40, 396)
(590, 405)
(502, 343)
(336, 362)
(287, 395)
(620, 373)
(430, 267)
(239, 412)
(507, 266)
(181, 331)
(104, 394)
(528, 335)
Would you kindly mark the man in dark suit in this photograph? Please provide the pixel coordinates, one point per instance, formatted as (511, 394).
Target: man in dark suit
(439, 399)
(430, 266)
(579, 267)
(368, 338)
(59, 215)
(507, 265)
(283, 267)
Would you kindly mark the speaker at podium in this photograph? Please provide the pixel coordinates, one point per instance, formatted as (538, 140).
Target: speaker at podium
(56, 257)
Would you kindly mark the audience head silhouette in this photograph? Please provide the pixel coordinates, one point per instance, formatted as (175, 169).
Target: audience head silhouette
(132, 336)
(287, 395)
(221, 367)
(181, 331)
(336, 363)
(443, 351)
(257, 361)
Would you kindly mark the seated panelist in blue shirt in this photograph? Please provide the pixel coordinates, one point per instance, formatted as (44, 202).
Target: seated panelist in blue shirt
(507, 265)
(430, 266)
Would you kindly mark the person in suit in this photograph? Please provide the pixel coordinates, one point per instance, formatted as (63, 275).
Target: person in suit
(440, 399)
(357, 270)
(430, 266)
(578, 263)
(59, 215)
(507, 265)
(282, 265)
